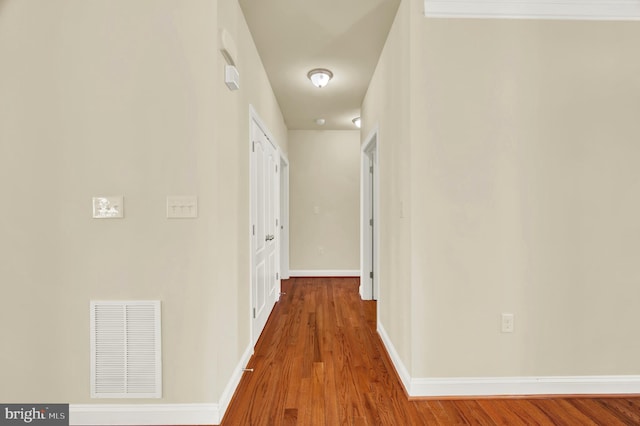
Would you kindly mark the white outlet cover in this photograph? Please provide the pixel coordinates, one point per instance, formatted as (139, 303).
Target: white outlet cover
(507, 323)
(111, 207)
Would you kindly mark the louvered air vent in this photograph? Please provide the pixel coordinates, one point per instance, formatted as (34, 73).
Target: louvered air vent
(125, 349)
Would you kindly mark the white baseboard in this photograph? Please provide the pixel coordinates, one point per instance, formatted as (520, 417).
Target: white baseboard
(143, 414)
(402, 371)
(528, 385)
(534, 9)
(233, 383)
(324, 273)
(504, 386)
(159, 414)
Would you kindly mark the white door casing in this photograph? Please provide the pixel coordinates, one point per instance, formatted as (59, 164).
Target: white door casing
(369, 232)
(283, 241)
(265, 229)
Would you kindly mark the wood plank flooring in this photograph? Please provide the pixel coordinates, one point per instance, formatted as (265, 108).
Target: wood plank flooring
(320, 361)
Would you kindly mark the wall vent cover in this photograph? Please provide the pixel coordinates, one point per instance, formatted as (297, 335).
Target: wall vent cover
(126, 349)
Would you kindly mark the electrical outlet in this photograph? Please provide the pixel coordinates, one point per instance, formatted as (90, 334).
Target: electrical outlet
(507, 323)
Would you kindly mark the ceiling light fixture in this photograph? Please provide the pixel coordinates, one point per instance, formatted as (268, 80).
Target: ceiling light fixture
(320, 77)
(357, 122)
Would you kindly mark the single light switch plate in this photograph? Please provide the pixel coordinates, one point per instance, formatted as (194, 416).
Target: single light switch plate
(108, 207)
(182, 207)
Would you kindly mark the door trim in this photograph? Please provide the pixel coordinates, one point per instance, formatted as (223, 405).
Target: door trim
(255, 118)
(284, 216)
(369, 242)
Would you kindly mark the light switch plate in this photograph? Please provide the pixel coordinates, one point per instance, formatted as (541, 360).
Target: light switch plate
(182, 207)
(111, 207)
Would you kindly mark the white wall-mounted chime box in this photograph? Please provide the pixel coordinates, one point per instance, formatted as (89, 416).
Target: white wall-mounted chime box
(232, 77)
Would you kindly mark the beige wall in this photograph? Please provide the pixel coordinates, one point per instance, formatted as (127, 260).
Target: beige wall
(106, 98)
(232, 181)
(530, 163)
(386, 108)
(522, 169)
(324, 173)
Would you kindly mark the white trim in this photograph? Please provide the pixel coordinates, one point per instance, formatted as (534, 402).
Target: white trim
(534, 9)
(502, 386)
(545, 385)
(160, 414)
(284, 216)
(369, 289)
(233, 383)
(253, 115)
(405, 377)
(324, 273)
(144, 414)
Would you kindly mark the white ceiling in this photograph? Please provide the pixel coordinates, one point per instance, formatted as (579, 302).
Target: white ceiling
(295, 36)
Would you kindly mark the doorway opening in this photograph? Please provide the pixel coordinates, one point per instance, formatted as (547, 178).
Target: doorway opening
(284, 217)
(369, 231)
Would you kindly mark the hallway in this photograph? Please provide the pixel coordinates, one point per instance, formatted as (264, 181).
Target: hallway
(320, 361)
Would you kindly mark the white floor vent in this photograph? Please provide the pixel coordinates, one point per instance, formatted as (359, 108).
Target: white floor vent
(125, 349)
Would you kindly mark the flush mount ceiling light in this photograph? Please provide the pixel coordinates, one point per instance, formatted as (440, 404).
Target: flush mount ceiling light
(320, 77)
(357, 122)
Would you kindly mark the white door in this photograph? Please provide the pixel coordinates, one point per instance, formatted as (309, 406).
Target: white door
(265, 229)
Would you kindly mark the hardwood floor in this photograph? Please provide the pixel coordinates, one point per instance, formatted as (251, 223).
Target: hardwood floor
(320, 361)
